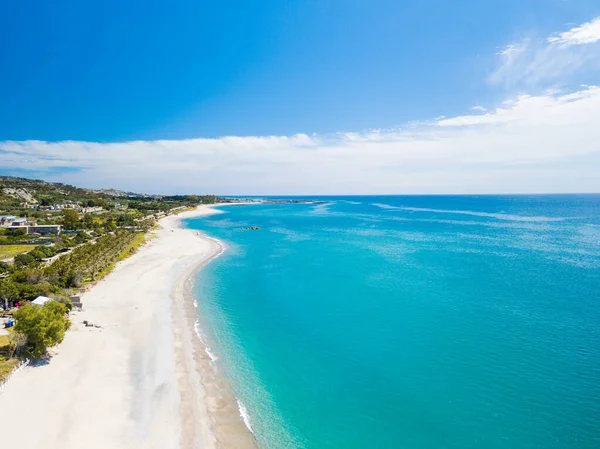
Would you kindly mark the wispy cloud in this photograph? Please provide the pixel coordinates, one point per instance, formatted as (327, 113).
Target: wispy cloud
(532, 144)
(588, 33)
(539, 62)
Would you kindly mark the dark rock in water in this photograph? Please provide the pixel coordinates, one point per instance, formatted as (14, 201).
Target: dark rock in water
(251, 228)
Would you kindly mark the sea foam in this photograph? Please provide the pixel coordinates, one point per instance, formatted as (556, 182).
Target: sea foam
(244, 414)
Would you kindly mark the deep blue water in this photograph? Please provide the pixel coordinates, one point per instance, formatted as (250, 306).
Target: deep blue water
(411, 322)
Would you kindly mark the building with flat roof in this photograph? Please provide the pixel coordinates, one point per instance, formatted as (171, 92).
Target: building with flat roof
(36, 229)
(44, 229)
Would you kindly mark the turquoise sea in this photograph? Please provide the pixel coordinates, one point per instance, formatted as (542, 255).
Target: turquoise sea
(417, 322)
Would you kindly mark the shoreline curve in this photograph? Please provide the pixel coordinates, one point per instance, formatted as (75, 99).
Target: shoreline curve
(141, 379)
(205, 380)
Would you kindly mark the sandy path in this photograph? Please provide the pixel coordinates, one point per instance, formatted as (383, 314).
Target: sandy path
(137, 381)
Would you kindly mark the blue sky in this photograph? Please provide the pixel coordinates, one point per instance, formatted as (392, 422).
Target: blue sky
(262, 92)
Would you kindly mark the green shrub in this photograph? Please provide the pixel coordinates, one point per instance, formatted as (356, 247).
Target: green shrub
(22, 260)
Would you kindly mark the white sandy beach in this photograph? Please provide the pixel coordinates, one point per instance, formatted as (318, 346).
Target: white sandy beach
(142, 380)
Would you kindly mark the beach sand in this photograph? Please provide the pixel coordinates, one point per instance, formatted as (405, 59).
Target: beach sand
(141, 380)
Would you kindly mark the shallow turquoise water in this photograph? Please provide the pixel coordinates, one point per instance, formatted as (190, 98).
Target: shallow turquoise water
(411, 322)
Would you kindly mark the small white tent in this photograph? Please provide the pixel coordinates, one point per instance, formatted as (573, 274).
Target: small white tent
(41, 300)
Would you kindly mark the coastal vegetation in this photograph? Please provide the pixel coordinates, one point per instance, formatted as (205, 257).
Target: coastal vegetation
(42, 326)
(88, 262)
(7, 360)
(45, 201)
(91, 230)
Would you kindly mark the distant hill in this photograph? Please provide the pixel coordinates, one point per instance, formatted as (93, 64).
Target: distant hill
(15, 191)
(113, 193)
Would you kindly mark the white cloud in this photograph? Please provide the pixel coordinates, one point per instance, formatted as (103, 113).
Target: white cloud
(547, 142)
(538, 62)
(588, 33)
(543, 143)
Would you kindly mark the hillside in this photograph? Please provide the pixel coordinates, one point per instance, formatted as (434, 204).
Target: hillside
(16, 191)
(17, 194)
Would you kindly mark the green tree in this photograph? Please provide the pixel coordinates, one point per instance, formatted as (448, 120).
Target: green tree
(24, 291)
(110, 226)
(89, 222)
(209, 199)
(35, 276)
(16, 343)
(43, 326)
(70, 219)
(37, 253)
(73, 279)
(9, 290)
(19, 231)
(22, 260)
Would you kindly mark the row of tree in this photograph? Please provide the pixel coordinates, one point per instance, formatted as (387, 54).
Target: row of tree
(41, 327)
(27, 279)
(87, 262)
